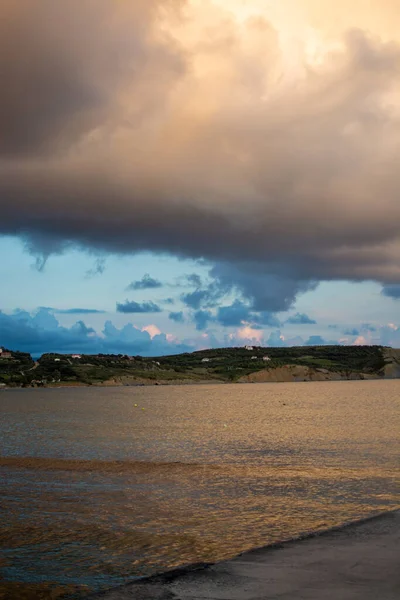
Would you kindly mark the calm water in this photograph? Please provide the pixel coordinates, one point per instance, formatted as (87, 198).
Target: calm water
(96, 491)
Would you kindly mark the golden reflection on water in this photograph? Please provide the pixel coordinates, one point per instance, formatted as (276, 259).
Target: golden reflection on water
(94, 491)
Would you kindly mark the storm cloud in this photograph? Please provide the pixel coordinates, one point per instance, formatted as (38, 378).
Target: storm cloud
(139, 126)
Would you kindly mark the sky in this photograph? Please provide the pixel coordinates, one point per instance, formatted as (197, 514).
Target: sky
(187, 174)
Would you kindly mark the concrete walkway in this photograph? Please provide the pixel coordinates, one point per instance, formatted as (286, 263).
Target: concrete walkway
(358, 562)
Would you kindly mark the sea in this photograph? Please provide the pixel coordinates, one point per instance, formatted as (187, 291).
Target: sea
(101, 486)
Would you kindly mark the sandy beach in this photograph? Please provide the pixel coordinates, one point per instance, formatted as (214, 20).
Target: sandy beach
(359, 561)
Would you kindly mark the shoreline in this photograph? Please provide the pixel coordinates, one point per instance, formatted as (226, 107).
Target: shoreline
(180, 383)
(353, 560)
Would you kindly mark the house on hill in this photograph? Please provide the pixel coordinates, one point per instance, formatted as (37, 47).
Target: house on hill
(5, 353)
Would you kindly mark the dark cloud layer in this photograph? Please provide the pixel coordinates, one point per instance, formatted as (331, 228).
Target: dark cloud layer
(130, 306)
(117, 136)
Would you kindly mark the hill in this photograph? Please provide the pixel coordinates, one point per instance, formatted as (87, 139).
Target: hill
(221, 365)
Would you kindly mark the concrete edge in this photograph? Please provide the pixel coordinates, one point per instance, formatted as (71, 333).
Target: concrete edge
(172, 574)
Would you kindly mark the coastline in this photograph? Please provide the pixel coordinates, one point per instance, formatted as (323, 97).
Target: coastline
(188, 382)
(356, 560)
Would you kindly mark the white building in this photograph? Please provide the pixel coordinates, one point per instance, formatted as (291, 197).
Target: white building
(204, 360)
(266, 358)
(249, 348)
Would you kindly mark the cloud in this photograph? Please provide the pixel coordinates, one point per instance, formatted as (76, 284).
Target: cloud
(249, 334)
(276, 339)
(152, 330)
(98, 268)
(130, 306)
(178, 317)
(391, 291)
(196, 299)
(239, 313)
(146, 283)
(194, 279)
(368, 327)
(352, 331)
(233, 315)
(135, 126)
(316, 340)
(188, 280)
(78, 311)
(208, 296)
(202, 318)
(300, 319)
(41, 332)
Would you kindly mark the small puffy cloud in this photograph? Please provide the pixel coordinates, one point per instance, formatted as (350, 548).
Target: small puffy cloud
(233, 315)
(177, 317)
(249, 334)
(352, 331)
(152, 330)
(300, 319)
(391, 291)
(130, 306)
(239, 313)
(146, 283)
(202, 318)
(276, 339)
(195, 299)
(368, 327)
(265, 318)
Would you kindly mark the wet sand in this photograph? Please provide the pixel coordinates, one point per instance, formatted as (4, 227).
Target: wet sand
(360, 561)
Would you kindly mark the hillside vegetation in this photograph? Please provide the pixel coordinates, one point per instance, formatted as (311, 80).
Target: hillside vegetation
(217, 365)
